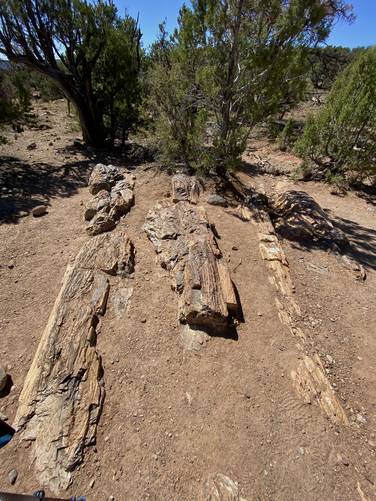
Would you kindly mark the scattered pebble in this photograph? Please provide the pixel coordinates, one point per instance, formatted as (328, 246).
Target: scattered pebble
(12, 476)
(39, 210)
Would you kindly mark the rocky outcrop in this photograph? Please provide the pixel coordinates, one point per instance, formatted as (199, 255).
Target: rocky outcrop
(62, 397)
(186, 246)
(113, 198)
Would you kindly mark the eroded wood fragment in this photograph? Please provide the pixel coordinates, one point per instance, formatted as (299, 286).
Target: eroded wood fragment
(185, 188)
(62, 397)
(183, 239)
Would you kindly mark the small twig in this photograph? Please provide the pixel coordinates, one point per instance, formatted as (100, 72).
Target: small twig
(237, 266)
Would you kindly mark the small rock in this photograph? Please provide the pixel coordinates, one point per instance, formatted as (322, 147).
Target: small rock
(92, 482)
(111, 498)
(39, 210)
(234, 248)
(361, 419)
(11, 264)
(32, 146)
(3, 378)
(215, 199)
(12, 476)
(143, 320)
(329, 359)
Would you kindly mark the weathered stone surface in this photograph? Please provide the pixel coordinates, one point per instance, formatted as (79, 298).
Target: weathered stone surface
(100, 202)
(214, 199)
(12, 476)
(185, 188)
(112, 202)
(3, 378)
(61, 401)
(312, 384)
(101, 223)
(39, 210)
(185, 243)
(103, 177)
(298, 216)
(219, 487)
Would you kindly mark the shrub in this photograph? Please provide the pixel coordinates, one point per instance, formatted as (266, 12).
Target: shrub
(341, 137)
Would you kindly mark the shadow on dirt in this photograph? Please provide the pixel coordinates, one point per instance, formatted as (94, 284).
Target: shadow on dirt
(362, 240)
(24, 186)
(363, 248)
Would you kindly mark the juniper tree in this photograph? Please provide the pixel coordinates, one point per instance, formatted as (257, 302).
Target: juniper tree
(341, 137)
(245, 54)
(67, 40)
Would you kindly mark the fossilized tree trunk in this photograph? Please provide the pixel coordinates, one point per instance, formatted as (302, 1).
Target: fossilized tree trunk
(63, 393)
(185, 188)
(183, 239)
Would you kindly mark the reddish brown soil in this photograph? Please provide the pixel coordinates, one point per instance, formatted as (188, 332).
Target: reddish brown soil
(173, 418)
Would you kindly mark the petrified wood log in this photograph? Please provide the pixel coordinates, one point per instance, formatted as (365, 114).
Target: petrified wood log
(61, 400)
(298, 215)
(185, 188)
(113, 198)
(185, 243)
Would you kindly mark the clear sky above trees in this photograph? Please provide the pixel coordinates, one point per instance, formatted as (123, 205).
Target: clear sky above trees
(361, 33)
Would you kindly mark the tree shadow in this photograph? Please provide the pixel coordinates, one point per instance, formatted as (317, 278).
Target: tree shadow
(8, 387)
(361, 245)
(363, 240)
(24, 186)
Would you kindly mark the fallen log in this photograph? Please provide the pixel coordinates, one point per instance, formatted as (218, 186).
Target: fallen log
(62, 397)
(186, 246)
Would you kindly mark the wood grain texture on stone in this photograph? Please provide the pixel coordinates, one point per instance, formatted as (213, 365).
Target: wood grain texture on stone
(185, 243)
(185, 188)
(113, 198)
(62, 397)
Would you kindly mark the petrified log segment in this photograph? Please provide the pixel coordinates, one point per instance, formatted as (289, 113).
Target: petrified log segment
(297, 215)
(185, 188)
(113, 198)
(309, 379)
(186, 245)
(63, 393)
(222, 488)
(312, 384)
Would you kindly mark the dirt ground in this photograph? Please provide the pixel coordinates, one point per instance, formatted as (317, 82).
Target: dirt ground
(173, 418)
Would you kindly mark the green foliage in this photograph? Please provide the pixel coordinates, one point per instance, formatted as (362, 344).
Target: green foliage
(15, 95)
(179, 122)
(285, 138)
(341, 137)
(229, 66)
(87, 49)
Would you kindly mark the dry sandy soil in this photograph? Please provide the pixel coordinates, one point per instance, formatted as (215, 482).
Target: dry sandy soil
(173, 418)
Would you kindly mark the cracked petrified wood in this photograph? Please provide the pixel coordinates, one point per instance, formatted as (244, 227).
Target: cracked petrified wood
(185, 243)
(185, 188)
(62, 397)
(113, 198)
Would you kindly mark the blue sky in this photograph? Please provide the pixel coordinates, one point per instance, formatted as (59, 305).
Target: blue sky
(361, 33)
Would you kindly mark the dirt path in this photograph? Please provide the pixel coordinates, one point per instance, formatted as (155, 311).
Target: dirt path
(173, 418)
